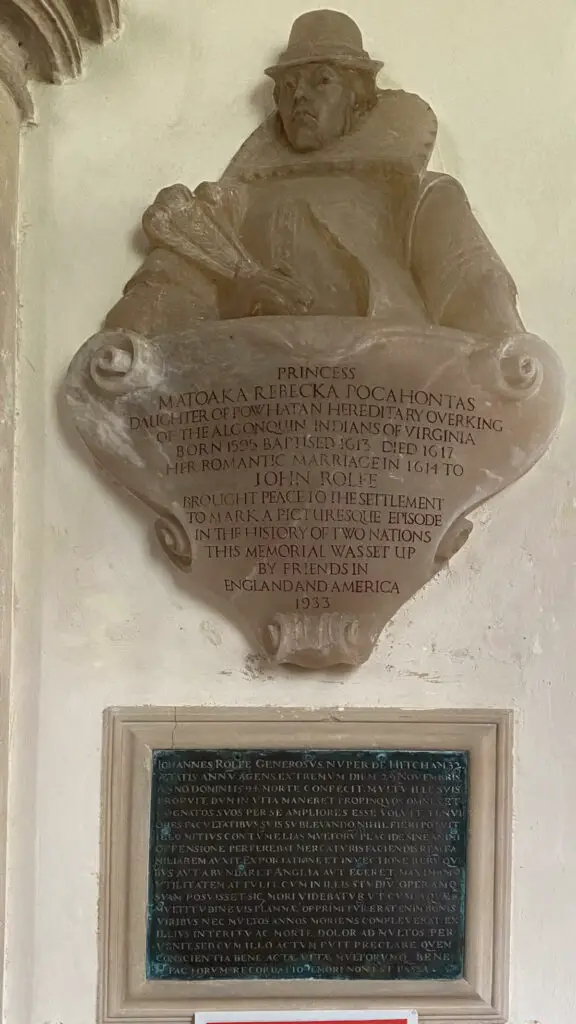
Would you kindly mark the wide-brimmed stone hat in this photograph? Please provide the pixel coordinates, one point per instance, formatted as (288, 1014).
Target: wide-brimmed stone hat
(325, 37)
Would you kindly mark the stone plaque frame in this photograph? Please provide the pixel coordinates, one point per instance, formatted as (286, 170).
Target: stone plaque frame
(130, 736)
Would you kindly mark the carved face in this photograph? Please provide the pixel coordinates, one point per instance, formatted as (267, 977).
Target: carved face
(316, 105)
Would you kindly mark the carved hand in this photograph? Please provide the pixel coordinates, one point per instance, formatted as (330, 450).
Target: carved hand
(271, 293)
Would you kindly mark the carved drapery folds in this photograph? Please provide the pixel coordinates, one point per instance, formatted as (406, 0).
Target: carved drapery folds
(42, 39)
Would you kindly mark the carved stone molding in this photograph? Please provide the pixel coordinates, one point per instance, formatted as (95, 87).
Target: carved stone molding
(42, 39)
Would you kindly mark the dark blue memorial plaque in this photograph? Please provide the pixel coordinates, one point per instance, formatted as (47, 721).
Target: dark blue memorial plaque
(309, 864)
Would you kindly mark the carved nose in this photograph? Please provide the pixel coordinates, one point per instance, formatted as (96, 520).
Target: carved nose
(301, 92)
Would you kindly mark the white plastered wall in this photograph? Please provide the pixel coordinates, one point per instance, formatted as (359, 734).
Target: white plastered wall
(100, 621)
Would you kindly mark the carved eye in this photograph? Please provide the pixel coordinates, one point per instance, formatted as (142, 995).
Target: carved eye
(289, 84)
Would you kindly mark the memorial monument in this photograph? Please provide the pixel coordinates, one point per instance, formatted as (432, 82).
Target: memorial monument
(320, 368)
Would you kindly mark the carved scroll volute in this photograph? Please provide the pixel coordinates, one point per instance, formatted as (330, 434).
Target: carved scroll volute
(123, 361)
(520, 367)
(174, 541)
(517, 367)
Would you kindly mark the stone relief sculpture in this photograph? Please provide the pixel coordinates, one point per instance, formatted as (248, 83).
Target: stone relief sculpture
(320, 368)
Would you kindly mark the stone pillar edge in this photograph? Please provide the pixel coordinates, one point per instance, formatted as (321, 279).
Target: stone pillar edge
(39, 40)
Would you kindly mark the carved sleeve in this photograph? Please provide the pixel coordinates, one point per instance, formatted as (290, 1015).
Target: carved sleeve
(167, 293)
(195, 239)
(461, 278)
